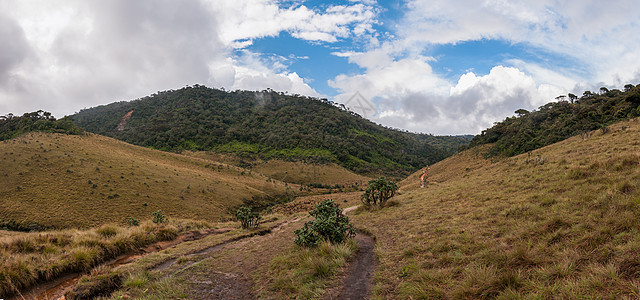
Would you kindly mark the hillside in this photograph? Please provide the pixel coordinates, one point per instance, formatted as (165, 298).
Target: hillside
(265, 125)
(57, 180)
(557, 121)
(12, 126)
(558, 223)
(298, 172)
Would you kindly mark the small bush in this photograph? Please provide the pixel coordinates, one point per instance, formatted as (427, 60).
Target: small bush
(379, 191)
(329, 224)
(131, 221)
(247, 218)
(158, 217)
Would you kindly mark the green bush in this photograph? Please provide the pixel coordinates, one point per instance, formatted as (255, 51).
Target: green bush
(379, 191)
(247, 218)
(329, 224)
(158, 217)
(131, 221)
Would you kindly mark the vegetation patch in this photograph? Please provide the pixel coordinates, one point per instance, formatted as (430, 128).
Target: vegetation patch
(305, 272)
(32, 257)
(329, 225)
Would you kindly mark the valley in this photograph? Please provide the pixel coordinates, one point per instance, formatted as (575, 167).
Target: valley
(559, 221)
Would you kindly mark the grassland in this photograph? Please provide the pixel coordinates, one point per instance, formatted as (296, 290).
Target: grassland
(28, 258)
(59, 181)
(560, 222)
(329, 174)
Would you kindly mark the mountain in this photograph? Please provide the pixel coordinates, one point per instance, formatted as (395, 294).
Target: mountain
(556, 121)
(50, 180)
(266, 125)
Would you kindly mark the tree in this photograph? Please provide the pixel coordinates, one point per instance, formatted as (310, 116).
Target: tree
(603, 90)
(379, 191)
(329, 224)
(248, 219)
(521, 112)
(628, 87)
(561, 98)
(572, 98)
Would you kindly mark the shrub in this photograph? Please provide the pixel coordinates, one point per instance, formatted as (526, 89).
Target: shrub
(329, 224)
(379, 191)
(158, 217)
(247, 218)
(131, 221)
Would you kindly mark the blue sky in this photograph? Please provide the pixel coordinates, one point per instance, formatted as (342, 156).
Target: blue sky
(432, 66)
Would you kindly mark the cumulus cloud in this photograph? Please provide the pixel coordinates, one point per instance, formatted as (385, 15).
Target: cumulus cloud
(71, 54)
(410, 96)
(601, 40)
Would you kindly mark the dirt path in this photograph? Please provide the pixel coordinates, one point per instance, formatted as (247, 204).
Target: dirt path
(57, 288)
(358, 277)
(226, 272)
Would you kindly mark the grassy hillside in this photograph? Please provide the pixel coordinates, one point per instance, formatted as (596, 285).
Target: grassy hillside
(265, 125)
(559, 223)
(57, 180)
(297, 172)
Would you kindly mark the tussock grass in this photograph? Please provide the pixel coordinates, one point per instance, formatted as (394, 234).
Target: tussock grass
(511, 229)
(31, 257)
(305, 272)
(60, 181)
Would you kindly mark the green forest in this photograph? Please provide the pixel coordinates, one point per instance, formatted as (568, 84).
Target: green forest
(555, 121)
(265, 125)
(12, 126)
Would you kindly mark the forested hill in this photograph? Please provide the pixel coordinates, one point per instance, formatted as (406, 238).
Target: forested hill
(559, 120)
(12, 126)
(265, 124)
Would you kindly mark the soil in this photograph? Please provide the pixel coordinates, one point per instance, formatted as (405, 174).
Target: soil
(358, 276)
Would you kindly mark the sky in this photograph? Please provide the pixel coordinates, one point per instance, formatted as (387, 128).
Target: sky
(430, 66)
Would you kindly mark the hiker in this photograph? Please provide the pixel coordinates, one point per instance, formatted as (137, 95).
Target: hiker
(423, 177)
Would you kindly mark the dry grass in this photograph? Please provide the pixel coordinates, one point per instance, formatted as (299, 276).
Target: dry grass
(31, 257)
(240, 256)
(82, 181)
(305, 173)
(305, 273)
(561, 223)
(308, 203)
(293, 172)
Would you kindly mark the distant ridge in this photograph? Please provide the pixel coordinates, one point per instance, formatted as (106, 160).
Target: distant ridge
(556, 121)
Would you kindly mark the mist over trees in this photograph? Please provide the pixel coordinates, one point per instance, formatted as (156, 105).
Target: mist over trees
(266, 125)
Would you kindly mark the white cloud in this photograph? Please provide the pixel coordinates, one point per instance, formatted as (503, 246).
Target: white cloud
(250, 19)
(409, 95)
(601, 40)
(68, 54)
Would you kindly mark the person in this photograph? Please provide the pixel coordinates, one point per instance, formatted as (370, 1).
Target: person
(423, 177)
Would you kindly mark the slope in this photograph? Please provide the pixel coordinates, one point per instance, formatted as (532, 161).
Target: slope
(559, 223)
(266, 125)
(299, 172)
(56, 180)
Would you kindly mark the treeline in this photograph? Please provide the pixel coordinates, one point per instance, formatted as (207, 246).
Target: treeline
(553, 122)
(265, 124)
(12, 126)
